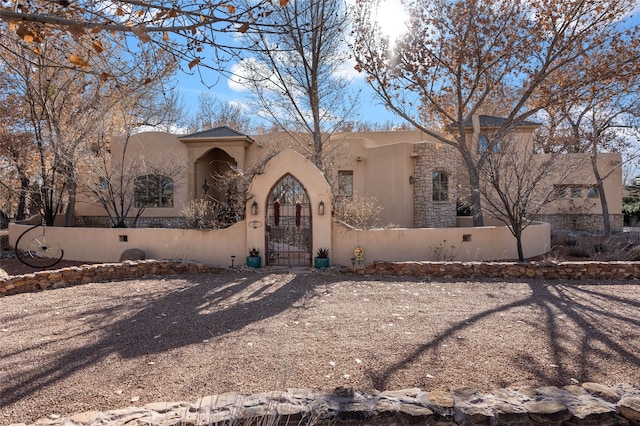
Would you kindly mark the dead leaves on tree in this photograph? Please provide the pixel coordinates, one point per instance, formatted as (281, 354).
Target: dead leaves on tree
(34, 23)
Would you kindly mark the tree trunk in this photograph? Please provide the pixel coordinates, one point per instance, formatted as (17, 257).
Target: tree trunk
(518, 235)
(601, 194)
(22, 198)
(71, 204)
(474, 186)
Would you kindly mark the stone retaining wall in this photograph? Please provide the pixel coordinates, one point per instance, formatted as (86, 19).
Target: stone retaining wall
(589, 404)
(504, 270)
(99, 273)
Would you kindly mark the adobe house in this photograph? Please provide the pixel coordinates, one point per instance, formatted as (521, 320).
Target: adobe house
(417, 180)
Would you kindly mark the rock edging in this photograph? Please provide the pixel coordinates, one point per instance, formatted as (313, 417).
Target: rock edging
(619, 270)
(473, 270)
(102, 272)
(589, 404)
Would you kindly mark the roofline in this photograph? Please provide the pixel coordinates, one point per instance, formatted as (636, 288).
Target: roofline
(215, 138)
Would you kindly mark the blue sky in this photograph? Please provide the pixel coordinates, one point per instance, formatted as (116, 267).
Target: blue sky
(190, 88)
(370, 109)
(391, 18)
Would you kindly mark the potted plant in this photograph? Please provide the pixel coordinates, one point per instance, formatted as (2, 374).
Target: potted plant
(322, 258)
(254, 260)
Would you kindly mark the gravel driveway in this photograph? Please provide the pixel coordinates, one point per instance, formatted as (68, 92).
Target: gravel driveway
(110, 345)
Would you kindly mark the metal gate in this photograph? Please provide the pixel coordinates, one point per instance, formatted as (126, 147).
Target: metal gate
(288, 224)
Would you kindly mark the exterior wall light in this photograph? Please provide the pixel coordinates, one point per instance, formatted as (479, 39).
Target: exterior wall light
(254, 208)
(321, 208)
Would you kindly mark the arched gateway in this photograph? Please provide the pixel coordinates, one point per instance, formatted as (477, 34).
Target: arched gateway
(289, 215)
(288, 233)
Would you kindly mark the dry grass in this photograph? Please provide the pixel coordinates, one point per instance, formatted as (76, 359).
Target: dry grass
(582, 246)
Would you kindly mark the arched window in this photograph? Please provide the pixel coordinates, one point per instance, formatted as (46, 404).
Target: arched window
(440, 186)
(153, 191)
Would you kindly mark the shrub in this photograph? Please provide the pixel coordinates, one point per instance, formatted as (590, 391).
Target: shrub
(199, 214)
(358, 212)
(207, 214)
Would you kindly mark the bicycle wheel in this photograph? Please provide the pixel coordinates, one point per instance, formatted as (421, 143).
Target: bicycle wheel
(42, 251)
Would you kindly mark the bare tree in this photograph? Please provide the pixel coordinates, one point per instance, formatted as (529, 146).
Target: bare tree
(595, 118)
(517, 183)
(463, 57)
(212, 112)
(124, 187)
(16, 153)
(211, 213)
(294, 73)
(65, 109)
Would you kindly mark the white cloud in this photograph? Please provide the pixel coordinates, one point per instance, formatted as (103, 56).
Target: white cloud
(237, 82)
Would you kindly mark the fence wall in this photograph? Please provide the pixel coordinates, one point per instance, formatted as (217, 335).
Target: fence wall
(438, 244)
(215, 247)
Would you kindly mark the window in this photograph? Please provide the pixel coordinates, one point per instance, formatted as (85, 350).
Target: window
(576, 192)
(153, 191)
(345, 182)
(440, 186)
(483, 144)
(592, 192)
(103, 183)
(559, 191)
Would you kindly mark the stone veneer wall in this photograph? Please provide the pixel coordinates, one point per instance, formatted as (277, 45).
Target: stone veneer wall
(581, 222)
(589, 404)
(430, 158)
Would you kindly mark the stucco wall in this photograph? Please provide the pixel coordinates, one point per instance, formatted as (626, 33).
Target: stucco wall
(217, 246)
(146, 149)
(386, 171)
(106, 245)
(486, 243)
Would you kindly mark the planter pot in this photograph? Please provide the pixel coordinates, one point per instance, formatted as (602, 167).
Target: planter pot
(321, 262)
(254, 261)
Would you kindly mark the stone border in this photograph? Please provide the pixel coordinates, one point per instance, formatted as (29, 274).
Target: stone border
(589, 404)
(619, 270)
(102, 272)
(503, 270)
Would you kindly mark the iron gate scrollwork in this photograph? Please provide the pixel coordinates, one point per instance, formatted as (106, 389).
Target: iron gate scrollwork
(288, 224)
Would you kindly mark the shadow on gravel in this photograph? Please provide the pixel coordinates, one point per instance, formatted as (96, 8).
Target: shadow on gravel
(197, 311)
(591, 325)
(207, 306)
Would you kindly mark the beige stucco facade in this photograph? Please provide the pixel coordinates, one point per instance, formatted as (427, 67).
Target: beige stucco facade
(395, 167)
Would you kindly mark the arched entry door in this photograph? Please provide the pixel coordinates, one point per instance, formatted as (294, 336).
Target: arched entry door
(288, 224)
